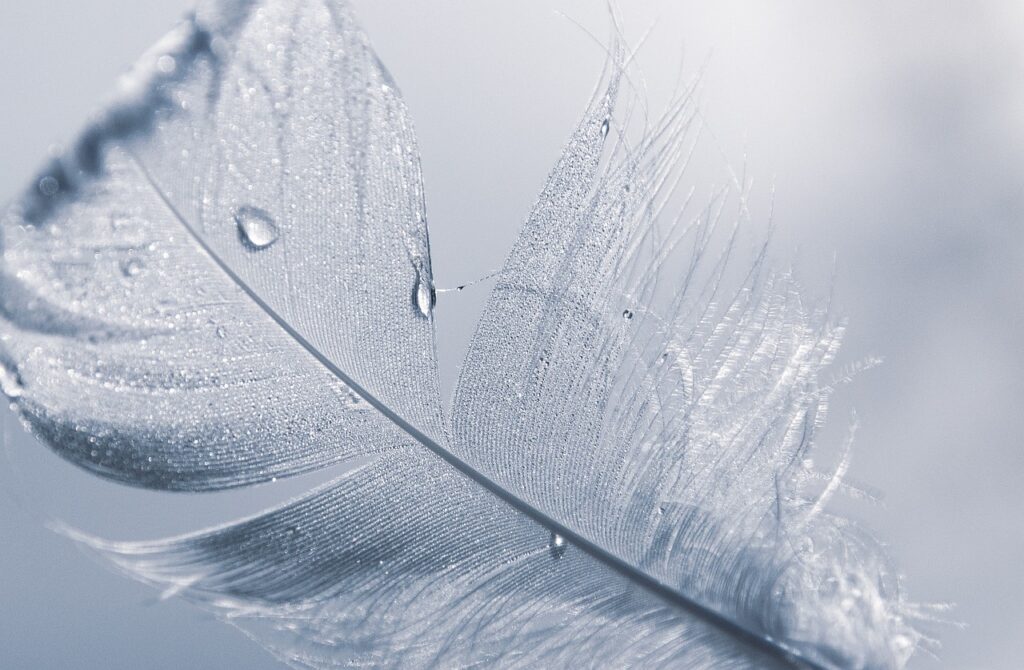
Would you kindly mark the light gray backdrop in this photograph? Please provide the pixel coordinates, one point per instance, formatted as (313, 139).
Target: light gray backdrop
(892, 133)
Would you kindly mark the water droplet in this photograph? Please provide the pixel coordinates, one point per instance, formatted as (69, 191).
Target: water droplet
(355, 400)
(131, 267)
(166, 64)
(627, 314)
(10, 381)
(256, 228)
(424, 297)
(119, 221)
(605, 127)
(49, 186)
(221, 332)
(558, 545)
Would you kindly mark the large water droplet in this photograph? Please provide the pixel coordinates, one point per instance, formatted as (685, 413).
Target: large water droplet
(558, 545)
(627, 314)
(256, 228)
(424, 297)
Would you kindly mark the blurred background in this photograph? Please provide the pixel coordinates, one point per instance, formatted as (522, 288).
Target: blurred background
(892, 135)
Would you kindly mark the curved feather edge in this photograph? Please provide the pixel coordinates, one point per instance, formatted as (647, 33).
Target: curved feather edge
(660, 396)
(134, 356)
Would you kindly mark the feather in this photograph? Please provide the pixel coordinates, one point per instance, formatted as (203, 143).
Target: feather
(228, 280)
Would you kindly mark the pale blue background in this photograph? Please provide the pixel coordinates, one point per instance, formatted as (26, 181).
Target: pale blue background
(894, 136)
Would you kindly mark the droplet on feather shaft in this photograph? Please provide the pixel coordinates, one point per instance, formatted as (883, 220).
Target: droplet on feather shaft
(424, 296)
(256, 227)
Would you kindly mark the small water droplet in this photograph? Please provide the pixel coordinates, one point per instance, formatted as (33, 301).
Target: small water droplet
(49, 186)
(10, 381)
(131, 267)
(355, 400)
(221, 332)
(558, 545)
(119, 221)
(166, 64)
(605, 127)
(627, 314)
(256, 228)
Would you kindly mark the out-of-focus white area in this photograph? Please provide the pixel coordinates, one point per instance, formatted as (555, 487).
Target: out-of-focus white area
(893, 134)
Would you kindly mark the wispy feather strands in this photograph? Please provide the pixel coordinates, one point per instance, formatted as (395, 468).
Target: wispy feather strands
(228, 280)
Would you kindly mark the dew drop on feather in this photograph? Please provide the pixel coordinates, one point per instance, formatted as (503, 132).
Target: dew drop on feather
(355, 400)
(49, 186)
(167, 64)
(627, 314)
(256, 228)
(131, 267)
(557, 546)
(10, 381)
(424, 297)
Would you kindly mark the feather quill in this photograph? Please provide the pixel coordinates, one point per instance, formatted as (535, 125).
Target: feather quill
(227, 280)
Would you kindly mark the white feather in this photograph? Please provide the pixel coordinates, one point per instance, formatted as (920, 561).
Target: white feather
(228, 280)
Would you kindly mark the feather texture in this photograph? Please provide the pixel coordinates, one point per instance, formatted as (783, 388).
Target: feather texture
(228, 280)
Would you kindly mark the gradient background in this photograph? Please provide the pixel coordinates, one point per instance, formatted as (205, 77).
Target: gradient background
(893, 134)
